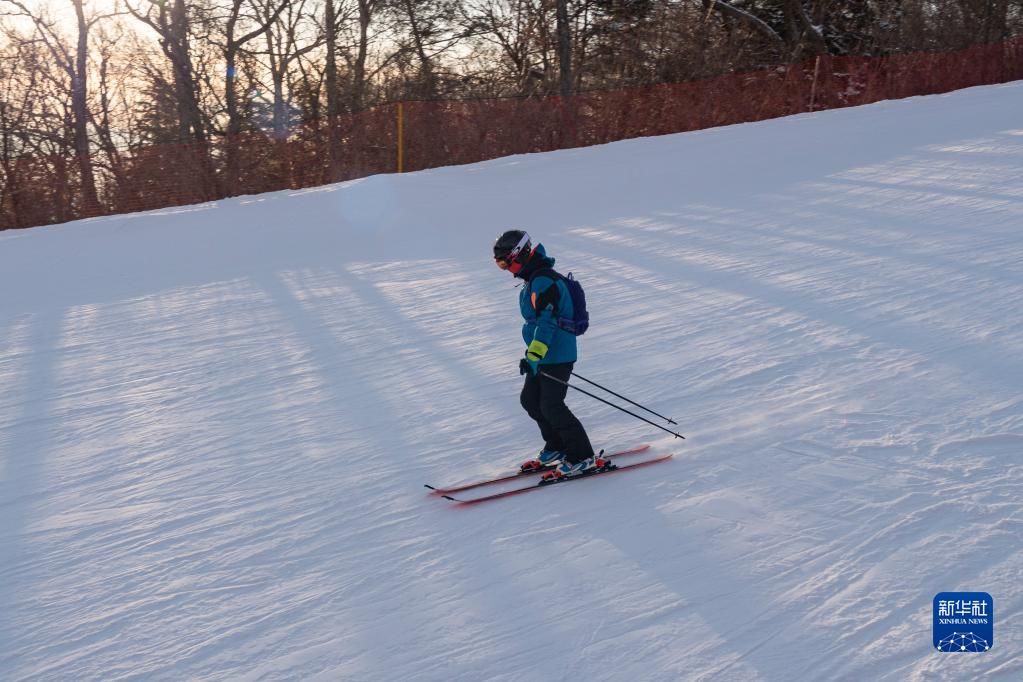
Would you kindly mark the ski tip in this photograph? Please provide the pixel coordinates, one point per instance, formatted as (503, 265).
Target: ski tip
(427, 485)
(461, 504)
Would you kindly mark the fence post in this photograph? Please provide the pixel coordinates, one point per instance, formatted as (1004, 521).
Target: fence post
(813, 88)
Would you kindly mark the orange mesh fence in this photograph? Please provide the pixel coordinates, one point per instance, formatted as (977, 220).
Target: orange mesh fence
(37, 191)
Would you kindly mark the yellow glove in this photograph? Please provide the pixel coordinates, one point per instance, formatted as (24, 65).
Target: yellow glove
(536, 351)
(534, 354)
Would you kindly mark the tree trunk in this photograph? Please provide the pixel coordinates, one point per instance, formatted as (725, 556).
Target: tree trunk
(280, 108)
(564, 48)
(234, 119)
(330, 77)
(9, 194)
(178, 51)
(428, 85)
(233, 46)
(333, 94)
(751, 21)
(234, 123)
(801, 30)
(79, 105)
(173, 29)
(359, 72)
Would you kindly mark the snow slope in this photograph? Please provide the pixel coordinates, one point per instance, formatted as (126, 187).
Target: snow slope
(216, 421)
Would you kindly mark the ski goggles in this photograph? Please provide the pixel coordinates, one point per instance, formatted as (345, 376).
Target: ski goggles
(507, 260)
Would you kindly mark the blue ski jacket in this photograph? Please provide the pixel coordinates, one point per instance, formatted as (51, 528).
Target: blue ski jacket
(542, 300)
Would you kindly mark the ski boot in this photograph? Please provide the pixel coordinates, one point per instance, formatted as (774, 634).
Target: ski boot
(545, 460)
(590, 465)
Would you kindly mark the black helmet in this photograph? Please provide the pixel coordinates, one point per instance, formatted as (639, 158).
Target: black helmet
(512, 249)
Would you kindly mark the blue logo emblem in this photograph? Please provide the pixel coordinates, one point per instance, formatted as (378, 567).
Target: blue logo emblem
(964, 622)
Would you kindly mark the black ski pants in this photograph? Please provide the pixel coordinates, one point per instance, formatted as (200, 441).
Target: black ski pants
(544, 401)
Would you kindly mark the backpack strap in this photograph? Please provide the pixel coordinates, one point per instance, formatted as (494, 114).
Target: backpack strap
(549, 297)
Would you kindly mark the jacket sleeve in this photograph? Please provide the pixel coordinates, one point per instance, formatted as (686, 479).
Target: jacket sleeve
(544, 297)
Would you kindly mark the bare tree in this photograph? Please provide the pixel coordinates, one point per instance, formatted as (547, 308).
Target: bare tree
(170, 20)
(742, 16)
(15, 95)
(102, 120)
(75, 64)
(240, 12)
(234, 43)
(419, 37)
(514, 41)
(800, 31)
(429, 30)
(330, 31)
(287, 40)
(564, 32)
(367, 8)
(36, 135)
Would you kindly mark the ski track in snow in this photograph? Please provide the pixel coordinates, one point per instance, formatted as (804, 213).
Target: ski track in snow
(216, 420)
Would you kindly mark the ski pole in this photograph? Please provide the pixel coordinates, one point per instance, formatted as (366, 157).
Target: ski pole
(667, 419)
(554, 378)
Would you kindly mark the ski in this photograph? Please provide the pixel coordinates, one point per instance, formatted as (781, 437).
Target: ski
(511, 477)
(545, 484)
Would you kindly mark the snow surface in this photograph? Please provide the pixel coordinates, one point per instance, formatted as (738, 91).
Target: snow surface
(216, 420)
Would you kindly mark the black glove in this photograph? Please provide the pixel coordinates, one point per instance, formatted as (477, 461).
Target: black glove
(524, 366)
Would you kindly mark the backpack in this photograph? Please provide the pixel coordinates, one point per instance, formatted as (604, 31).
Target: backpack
(580, 321)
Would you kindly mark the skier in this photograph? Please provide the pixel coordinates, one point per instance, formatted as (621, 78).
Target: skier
(550, 349)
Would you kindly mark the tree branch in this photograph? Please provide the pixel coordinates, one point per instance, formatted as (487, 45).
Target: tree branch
(745, 17)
